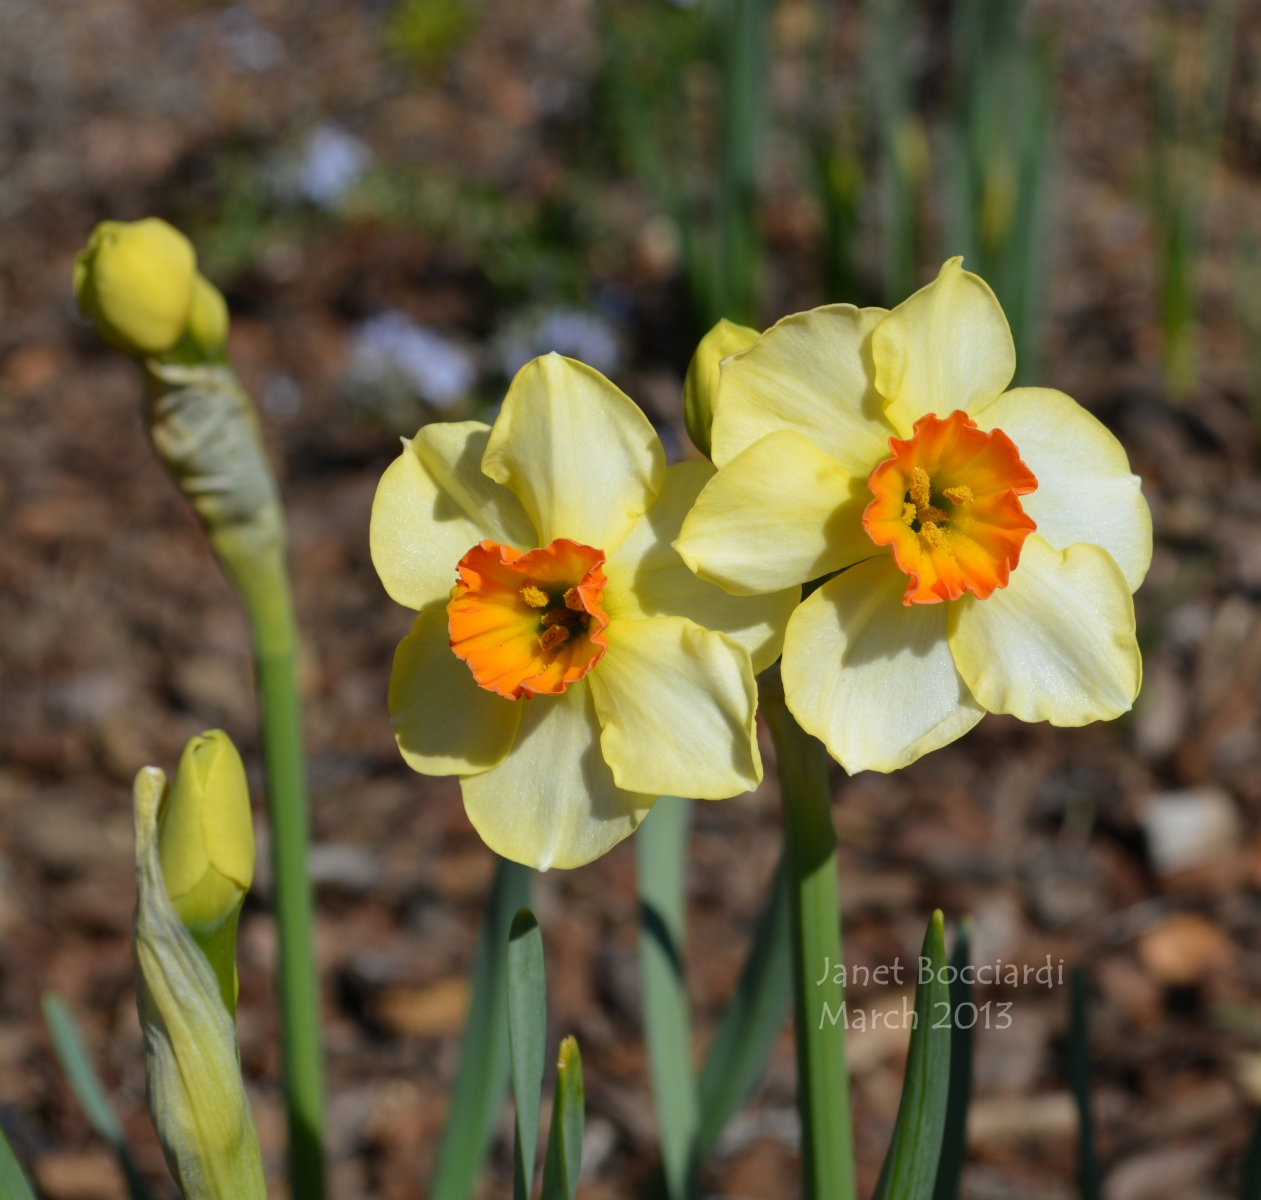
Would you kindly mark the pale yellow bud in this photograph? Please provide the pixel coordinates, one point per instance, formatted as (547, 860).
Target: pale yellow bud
(700, 388)
(192, 1064)
(135, 280)
(207, 317)
(206, 833)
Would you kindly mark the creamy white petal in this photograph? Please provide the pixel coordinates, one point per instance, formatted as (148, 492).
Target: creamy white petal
(947, 347)
(418, 532)
(583, 459)
(872, 678)
(443, 722)
(812, 373)
(676, 704)
(1057, 643)
(778, 514)
(647, 578)
(552, 802)
(1086, 490)
(452, 454)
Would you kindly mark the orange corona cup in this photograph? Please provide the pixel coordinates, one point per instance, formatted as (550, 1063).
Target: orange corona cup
(529, 623)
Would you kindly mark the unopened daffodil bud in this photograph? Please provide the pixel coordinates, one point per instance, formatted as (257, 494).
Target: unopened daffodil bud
(206, 848)
(700, 388)
(135, 280)
(192, 1066)
(207, 317)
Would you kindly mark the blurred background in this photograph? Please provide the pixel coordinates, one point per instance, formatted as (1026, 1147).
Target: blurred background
(404, 201)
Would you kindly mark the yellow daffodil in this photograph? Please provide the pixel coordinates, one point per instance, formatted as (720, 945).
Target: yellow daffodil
(988, 541)
(564, 662)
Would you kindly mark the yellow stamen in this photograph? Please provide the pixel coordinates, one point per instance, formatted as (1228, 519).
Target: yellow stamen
(561, 616)
(959, 495)
(553, 636)
(909, 513)
(573, 600)
(932, 534)
(921, 487)
(935, 515)
(535, 597)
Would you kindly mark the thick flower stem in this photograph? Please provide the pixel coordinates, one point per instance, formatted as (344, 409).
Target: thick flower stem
(827, 1157)
(265, 591)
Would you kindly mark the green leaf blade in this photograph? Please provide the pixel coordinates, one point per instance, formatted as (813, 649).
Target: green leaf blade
(564, 1146)
(660, 866)
(14, 1184)
(751, 1021)
(954, 1141)
(482, 1076)
(76, 1065)
(527, 1034)
(910, 1166)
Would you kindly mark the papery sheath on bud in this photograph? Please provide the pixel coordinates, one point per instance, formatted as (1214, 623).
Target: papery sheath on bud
(135, 281)
(701, 385)
(192, 1070)
(206, 848)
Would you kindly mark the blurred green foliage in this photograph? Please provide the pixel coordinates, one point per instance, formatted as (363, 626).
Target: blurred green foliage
(688, 91)
(902, 146)
(998, 160)
(424, 32)
(1193, 61)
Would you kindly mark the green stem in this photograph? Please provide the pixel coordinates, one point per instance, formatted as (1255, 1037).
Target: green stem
(265, 591)
(827, 1157)
(660, 867)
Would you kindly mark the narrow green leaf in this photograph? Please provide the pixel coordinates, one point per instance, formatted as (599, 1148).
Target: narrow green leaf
(827, 1153)
(1079, 1077)
(72, 1054)
(751, 1021)
(13, 1182)
(76, 1065)
(954, 1142)
(910, 1166)
(482, 1079)
(527, 1036)
(660, 865)
(564, 1144)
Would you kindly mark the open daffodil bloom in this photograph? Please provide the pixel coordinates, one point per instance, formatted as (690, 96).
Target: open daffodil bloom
(988, 542)
(564, 661)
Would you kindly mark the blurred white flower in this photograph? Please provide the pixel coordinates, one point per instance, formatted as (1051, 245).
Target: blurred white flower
(575, 333)
(332, 162)
(392, 345)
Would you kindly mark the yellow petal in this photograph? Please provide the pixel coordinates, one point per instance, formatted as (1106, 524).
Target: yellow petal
(947, 347)
(452, 454)
(1057, 643)
(811, 372)
(1086, 491)
(778, 514)
(677, 703)
(552, 802)
(870, 677)
(420, 530)
(647, 578)
(444, 723)
(582, 458)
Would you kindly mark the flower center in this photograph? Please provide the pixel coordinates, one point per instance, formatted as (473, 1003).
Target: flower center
(948, 503)
(528, 623)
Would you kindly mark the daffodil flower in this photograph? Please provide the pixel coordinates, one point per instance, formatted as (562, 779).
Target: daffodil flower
(564, 662)
(988, 542)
